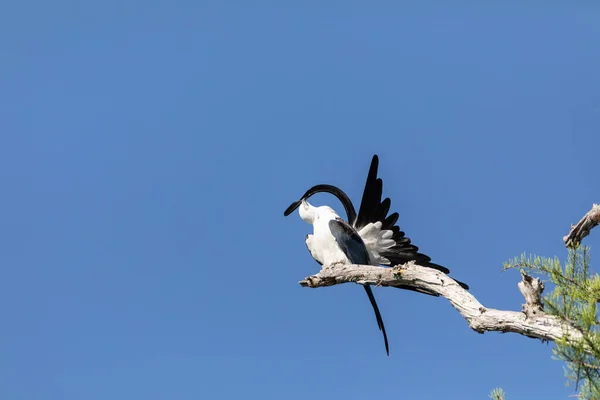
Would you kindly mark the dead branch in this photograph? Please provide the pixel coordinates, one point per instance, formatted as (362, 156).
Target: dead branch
(532, 321)
(583, 227)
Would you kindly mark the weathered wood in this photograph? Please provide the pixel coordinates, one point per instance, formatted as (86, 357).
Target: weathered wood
(532, 321)
(531, 288)
(583, 227)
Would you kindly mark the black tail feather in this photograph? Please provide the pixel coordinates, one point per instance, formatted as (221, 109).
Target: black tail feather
(378, 316)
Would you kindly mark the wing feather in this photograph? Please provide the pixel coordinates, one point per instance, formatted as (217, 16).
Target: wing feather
(372, 211)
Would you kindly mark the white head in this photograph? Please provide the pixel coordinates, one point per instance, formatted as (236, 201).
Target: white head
(311, 214)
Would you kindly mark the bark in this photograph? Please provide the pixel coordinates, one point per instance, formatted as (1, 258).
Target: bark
(583, 227)
(532, 321)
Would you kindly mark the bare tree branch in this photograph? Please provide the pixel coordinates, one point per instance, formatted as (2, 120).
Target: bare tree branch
(532, 321)
(583, 227)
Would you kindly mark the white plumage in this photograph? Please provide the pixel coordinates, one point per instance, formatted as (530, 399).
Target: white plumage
(324, 248)
(321, 244)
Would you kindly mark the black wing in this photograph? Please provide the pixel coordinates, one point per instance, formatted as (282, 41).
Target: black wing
(354, 248)
(349, 241)
(373, 209)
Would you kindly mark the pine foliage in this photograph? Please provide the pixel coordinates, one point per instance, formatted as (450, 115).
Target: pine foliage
(497, 394)
(573, 297)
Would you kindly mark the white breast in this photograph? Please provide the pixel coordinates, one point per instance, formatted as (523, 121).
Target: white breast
(324, 246)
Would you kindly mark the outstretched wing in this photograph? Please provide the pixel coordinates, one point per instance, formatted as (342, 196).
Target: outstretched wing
(383, 238)
(355, 249)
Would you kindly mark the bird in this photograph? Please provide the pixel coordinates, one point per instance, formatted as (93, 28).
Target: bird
(370, 237)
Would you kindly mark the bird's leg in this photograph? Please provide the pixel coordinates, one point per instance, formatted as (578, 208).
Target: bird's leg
(334, 264)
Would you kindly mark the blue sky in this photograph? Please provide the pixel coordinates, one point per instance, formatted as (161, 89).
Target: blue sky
(149, 149)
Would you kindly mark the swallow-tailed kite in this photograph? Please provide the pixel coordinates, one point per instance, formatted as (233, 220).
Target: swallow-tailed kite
(369, 238)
